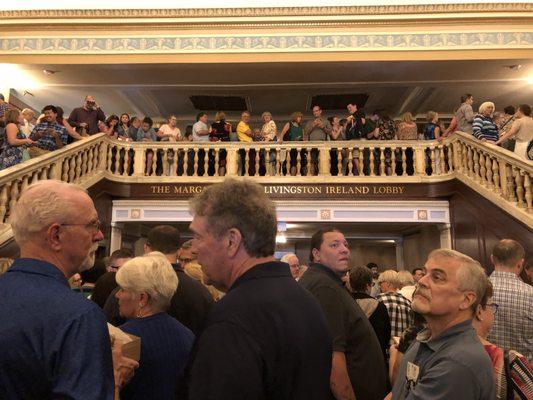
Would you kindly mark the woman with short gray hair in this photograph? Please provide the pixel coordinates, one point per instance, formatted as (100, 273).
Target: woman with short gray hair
(484, 128)
(147, 285)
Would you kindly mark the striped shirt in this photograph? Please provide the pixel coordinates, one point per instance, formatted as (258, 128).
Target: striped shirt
(484, 128)
(513, 323)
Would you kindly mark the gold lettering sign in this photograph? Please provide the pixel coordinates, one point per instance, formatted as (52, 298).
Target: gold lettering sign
(296, 191)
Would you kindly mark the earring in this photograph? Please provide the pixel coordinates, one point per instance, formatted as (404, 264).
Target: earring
(139, 314)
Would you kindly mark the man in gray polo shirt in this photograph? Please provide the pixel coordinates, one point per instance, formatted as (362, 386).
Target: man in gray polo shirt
(447, 360)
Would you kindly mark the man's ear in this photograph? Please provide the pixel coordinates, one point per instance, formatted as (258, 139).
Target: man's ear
(316, 255)
(477, 314)
(234, 240)
(54, 236)
(468, 300)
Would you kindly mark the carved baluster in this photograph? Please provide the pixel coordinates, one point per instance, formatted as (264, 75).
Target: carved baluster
(349, 161)
(476, 165)
(404, 161)
(65, 166)
(489, 172)
(510, 184)
(459, 162)
(519, 187)
(361, 161)
(246, 171)
(25, 183)
(450, 154)
(127, 160)
(308, 163)
(257, 159)
(482, 169)
(78, 162)
(3, 204)
(154, 161)
(186, 162)
(14, 194)
(433, 158)
(165, 169)
(84, 158)
(442, 160)
(109, 158)
(206, 162)
(217, 162)
(279, 164)
(299, 161)
(528, 195)
(288, 158)
(496, 176)
(96, 159)
(339, 162)
(44, 174)
(372, 172)
(34, 177)
(117, 160)
(72, 169)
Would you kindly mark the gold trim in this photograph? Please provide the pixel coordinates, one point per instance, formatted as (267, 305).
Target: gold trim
(272, 11)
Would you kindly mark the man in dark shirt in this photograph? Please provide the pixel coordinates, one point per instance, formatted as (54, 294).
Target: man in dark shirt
(267, 338)
(107, 282)
(358, 367)
(87, 117)
(53, 342)
(192, 301)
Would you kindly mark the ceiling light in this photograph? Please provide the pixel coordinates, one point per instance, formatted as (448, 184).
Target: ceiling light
(49, 72)
(529, 80)
(514, 67)
(14, 77)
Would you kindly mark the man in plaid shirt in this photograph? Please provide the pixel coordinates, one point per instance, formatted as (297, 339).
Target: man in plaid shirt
(398, 307)
(513, 324)
(48, 134)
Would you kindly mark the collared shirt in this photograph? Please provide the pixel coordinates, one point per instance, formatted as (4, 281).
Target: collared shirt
(90, 117)
(400, 313)
(54, 343)
(47, 142)
(352, 333)
(315, 133)
(198, 127)
(242, 128)
(513, 323)
(464, 116)
(266, 339)
(454, 365)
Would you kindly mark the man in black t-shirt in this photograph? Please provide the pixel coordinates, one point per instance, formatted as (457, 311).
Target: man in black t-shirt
(358, 368)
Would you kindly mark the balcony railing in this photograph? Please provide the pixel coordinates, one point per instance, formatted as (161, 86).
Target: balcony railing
(497, 174)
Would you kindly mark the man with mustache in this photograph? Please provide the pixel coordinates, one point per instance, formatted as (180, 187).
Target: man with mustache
(447, 360)
(54, 343)
(358, 367)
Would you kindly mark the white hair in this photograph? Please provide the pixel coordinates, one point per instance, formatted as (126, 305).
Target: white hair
(486, 105)
(287, 257)
(391, 277)
(405, 278)
(39, 206)
(152, 274)
(470, 275)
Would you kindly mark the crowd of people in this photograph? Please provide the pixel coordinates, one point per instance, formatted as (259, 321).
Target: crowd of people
(219, 317)
(24, 136)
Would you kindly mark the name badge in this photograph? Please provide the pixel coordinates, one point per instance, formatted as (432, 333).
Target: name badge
(412, 372)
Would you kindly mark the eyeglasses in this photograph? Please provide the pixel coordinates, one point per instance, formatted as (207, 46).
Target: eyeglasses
(94, 225)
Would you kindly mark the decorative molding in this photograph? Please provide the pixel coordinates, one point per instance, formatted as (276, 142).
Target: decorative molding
(272, 11)
(268, 43)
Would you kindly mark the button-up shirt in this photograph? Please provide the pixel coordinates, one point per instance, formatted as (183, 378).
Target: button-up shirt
(54, 343)
(400, 313)
(453, 365)
(47, 142)
(513, 323)
(265, 339)
(90, 117)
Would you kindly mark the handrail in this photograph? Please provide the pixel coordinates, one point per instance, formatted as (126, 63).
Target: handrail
(497, 174)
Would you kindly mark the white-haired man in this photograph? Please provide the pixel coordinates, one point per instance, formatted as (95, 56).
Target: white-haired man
(53, 342)
(447, 360)
(294, 264)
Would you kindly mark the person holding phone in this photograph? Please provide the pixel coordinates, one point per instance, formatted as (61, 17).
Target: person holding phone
(87, 117)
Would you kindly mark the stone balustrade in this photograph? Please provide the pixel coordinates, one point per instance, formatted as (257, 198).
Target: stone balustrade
(496, 174)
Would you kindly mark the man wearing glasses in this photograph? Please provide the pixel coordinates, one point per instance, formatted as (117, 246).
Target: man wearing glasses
(447, 360)
(53, 342)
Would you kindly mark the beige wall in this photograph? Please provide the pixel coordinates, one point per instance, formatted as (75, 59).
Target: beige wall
(416, 247)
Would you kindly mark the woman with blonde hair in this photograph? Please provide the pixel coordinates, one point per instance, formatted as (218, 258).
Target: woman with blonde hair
(407, 129)
(484, 128)
(14, 141)
(147, 285)
(194, 270)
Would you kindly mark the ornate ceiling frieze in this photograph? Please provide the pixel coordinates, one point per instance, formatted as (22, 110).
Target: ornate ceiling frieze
(272, 11)
(265, 43)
